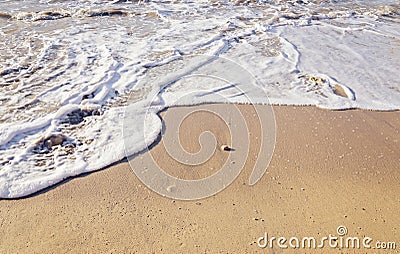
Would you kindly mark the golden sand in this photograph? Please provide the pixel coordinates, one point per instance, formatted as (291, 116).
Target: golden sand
(329, 168)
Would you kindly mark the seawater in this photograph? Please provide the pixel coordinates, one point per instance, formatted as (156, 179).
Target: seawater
(68, 70)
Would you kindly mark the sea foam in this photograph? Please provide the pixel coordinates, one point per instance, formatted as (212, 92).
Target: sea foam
(71, 68)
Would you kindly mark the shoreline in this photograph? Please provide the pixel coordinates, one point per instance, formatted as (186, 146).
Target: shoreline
(329, 168)
(158, 139)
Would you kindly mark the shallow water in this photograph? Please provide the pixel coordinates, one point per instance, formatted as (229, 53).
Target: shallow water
(68, 68)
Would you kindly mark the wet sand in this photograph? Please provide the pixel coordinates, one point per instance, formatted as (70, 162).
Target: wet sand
(329, 168)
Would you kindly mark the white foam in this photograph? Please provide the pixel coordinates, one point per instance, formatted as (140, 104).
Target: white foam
(73, 74)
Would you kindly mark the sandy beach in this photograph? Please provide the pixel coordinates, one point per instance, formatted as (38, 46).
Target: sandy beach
(329, 169)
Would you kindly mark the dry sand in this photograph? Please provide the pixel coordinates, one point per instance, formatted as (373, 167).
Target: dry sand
(329, 168)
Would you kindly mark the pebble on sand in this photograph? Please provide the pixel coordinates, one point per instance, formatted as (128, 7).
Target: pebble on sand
(226, 148)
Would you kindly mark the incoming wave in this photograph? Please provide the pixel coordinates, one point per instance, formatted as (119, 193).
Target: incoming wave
(67, 70)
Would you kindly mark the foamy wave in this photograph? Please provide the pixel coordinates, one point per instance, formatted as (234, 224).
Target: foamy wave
(67, 70)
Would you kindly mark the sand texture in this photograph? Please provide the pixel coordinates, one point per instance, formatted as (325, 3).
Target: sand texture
(329, 168)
